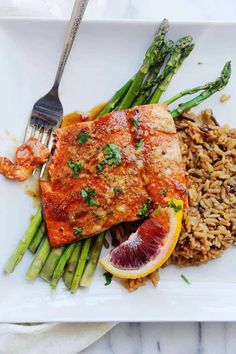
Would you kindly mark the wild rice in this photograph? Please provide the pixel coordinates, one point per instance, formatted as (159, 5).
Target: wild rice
(224, 98)
(209, 223)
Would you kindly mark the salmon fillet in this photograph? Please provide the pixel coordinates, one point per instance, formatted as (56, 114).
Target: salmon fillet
(104, 189)
(29, 155)
(109, 171)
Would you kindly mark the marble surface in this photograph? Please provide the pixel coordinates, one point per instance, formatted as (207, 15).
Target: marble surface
(175, 10)
(167, 338)
(148, 338)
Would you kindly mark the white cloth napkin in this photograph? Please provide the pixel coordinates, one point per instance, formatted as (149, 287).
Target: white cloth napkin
(47, 338)
(50, 338)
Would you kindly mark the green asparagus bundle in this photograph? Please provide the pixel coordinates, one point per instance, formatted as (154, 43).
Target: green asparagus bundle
(148, 63)
(93, 260)
(77, 263)
(24, 243)
(153, 73)
(176, 63)
(39, 260)
(34, 244)
(208, 90)
(59, 269)
(72, 264)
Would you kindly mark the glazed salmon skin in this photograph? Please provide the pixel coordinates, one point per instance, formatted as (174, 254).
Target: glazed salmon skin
(107, 171)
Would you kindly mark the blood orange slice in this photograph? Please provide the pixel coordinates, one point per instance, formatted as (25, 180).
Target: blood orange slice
(149, 247)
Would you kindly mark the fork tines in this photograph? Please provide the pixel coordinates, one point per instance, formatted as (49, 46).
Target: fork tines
(45, 118)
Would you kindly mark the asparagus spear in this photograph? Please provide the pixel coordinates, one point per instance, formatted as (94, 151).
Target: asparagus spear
(93, 261)
(112, 103)
(81, 264)
(160, 58)
(188, 92)
(51, 262)
(224, 78)
(72, 264)
(165, 83)
(39, 260)
(215, 86)
(154, 71)
(156, 66)
(34, 244)
(24, 243)
(58, 271)
(149, 60)
(175, 56)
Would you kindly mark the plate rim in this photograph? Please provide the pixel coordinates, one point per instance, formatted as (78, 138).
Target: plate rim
(119, 20)
(197, 317)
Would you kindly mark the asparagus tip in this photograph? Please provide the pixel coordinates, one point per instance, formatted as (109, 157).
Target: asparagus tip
(226, 72)
(164, 27)
(183, 42)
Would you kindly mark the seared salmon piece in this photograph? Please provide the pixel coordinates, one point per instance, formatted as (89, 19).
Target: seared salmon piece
(29, 155)
(12, 171)
(94, 180)
(111, 170)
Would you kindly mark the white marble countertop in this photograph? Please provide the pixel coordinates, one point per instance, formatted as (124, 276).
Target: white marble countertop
(167, 338)
(153, 338)
(175, 10)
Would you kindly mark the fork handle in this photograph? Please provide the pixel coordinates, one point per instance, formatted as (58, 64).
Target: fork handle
(75, 20)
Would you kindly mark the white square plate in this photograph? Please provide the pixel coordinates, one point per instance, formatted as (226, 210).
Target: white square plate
(104, 56)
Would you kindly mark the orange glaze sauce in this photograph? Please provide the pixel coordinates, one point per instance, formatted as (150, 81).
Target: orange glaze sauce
(78, 117)
(94, 112)
(73, 118)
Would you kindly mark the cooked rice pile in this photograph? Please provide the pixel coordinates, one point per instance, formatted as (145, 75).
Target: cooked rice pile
(209, 224)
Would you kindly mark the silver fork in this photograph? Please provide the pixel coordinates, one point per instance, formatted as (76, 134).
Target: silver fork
(47, 112)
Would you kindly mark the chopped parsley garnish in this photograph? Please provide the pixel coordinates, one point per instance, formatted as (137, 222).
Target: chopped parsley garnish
(158, 209)
(144, 211)
(113, 154)
(83, 137)
(108, 278)
(76, 167)
(77, 231)
(88, 195)
(163, 191)
(135, 122)
(100, 166)
(117, 190)
(98, 216)
(174, 206)
(139, 143)
(185, 279)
